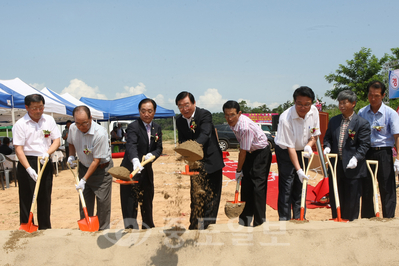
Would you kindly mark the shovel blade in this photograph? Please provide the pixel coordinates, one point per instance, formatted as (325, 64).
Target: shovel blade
(89, 224)
(233, 209)
(29, 226)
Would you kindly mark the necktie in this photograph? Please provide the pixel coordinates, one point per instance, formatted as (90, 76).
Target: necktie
(148, 132)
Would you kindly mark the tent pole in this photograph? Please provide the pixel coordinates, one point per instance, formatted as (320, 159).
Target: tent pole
(174, 129)
(13, 116)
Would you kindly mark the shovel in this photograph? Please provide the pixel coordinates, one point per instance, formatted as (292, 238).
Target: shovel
(304, 187)
(334, 178)
(374, 178)
(89, 223)
(143, 162)
(233, 209)
(30, 227)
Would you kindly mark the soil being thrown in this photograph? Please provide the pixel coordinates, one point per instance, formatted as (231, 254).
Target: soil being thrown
(190, 150)
(120, 172)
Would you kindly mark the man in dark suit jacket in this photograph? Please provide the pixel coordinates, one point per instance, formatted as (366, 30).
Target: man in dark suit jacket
(143, 138)
(196, 124)
(348, 135)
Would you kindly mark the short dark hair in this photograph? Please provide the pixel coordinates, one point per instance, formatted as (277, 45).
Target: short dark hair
(304, 91)
(82, 108)
(68, 121)
(375, 84)
(183, 95)
(34, 98)
(6, 141)
(148, 100)
(231, 104)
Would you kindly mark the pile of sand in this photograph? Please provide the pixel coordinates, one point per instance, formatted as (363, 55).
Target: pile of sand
(318, 242)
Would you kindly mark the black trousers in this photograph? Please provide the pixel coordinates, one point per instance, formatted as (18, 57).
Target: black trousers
(26, 188)
(132, 195)
(205, 192)
(254, 186)
(386, 184)
(349, 192)
(289, 185)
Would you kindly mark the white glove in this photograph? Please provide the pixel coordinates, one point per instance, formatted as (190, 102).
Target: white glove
(32, 173)
(70, 161)
(307, 151)
(148, 156)
(327, 150)
(45, 155)
(396, 166)
(352, 163)
(136, 164)
(81, 185)
(302, 175)
(239, 175)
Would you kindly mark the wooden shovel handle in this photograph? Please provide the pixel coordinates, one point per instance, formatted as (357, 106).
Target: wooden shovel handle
(143, 162)
(82, 199)
(39, 178)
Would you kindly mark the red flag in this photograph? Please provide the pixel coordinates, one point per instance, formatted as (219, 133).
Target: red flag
(322, 189)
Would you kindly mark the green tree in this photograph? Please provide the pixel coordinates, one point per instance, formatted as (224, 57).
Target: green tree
(282, 107)
(261, 109)
(358, 72)
(244, 107)
(218, 118)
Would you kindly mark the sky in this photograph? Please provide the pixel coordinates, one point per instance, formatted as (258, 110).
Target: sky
(219, 50)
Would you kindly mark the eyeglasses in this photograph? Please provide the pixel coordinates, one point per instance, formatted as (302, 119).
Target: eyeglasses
(40, 108)
(181, 107)
(303, 105)
(84, 124)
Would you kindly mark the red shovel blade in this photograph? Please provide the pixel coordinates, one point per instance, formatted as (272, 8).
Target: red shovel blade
(29, 226)
(339, 219)
(89, 223)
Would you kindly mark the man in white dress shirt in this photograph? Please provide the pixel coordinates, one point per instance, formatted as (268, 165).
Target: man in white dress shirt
(34, 135)
(297, 130)
(89, 141)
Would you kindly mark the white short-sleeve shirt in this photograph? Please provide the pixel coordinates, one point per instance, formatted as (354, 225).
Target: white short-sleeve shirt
(294, 131)
(90, 145)
(31, 136)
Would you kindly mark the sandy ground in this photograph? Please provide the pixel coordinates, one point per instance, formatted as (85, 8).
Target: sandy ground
(318, 242)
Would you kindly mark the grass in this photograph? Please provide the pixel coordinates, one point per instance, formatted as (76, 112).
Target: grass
(4, 134)
(167, 135)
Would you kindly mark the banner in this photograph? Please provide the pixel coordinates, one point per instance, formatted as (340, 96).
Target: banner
(394, 84)
(261, 118)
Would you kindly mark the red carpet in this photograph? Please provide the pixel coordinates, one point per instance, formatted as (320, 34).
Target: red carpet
(272, 186)
(118, 154)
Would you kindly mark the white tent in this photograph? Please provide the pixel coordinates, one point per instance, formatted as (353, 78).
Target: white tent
(72, 102)
(52, 106)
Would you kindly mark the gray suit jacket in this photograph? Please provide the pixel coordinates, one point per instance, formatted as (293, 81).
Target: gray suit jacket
(358, 146)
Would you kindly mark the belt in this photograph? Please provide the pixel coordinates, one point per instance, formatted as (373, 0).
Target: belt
(380, 148)
(103, 165)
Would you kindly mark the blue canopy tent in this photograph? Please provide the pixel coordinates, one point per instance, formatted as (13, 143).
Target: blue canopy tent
(14, 105)
(19, 89)
(127, 108)
(5, 106)
(5, 99)
(124, 108)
